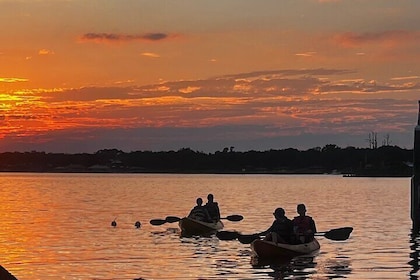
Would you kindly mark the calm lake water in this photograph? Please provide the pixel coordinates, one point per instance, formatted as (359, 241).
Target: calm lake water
(58, 226)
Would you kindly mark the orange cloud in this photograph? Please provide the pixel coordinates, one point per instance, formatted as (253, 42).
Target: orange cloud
(405, 78)
(188, 89)
(45, 52)
(269, 103)
(149, 54)
(306, 54)
(12, 80)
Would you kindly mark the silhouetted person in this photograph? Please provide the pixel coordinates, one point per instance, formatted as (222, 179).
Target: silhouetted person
(199, 212)
(212, 208)
(281, 231)
(303, 225)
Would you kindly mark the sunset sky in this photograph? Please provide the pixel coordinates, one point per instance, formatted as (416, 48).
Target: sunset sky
(80, 76)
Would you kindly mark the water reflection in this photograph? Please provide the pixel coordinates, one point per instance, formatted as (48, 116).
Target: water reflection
(206, 253)
(86, 246)
(337, 267)
(194, 235)
(302, 267)
(414, 255)
(284, 268)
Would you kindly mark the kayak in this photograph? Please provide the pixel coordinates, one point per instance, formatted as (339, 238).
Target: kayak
(196, 227)
(269, 250)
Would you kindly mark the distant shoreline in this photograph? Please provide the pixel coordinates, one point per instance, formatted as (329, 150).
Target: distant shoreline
(385, 161)
(215, 173)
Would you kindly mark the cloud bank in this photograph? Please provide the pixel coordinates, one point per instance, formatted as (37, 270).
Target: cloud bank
(256, 110)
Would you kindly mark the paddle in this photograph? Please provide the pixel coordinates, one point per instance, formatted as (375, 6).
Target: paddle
(169, 219)
(233, 218)
(338, 234)
(174, 219)
(232, 235)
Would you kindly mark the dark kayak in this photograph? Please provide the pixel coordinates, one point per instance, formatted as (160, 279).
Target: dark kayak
(270, 250)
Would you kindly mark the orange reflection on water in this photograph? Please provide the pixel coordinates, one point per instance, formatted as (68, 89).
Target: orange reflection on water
(60, 224)
(21, 210)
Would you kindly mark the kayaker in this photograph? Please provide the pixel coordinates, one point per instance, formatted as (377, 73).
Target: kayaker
(303, 225)
(199, 212)
(281, 231)
(213, 208)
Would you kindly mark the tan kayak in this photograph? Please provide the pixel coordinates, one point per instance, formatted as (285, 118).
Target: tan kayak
(192, 226)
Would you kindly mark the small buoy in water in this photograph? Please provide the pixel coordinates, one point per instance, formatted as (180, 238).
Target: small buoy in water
(114, 223)
(137, 224)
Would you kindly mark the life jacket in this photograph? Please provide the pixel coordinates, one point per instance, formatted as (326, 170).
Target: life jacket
(283, 228)
(213, 209)
(198, 213)
(302, 224)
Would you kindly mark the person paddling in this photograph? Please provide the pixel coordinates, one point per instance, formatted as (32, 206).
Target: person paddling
(213, 208)
(303, 226)
(199, 212)
(281, 231)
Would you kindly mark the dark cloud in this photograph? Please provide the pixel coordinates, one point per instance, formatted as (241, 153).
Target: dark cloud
(257, 110)
(287, 83)
(397, 36)
(207, 139)
(155, 36)
(112, 37)
(88, 94)
(288, 73)
(251, 84)
(367, 87)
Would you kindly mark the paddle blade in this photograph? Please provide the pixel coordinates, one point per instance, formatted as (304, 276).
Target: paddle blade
(157, 222)
(339, 234)
(248, 238)
(234, 218)
(227, 235)
(172, 219)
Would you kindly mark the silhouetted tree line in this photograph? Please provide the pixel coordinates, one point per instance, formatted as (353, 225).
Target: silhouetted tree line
(382, 161)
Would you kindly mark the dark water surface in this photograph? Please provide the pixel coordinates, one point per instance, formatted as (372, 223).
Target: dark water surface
(58, 226)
